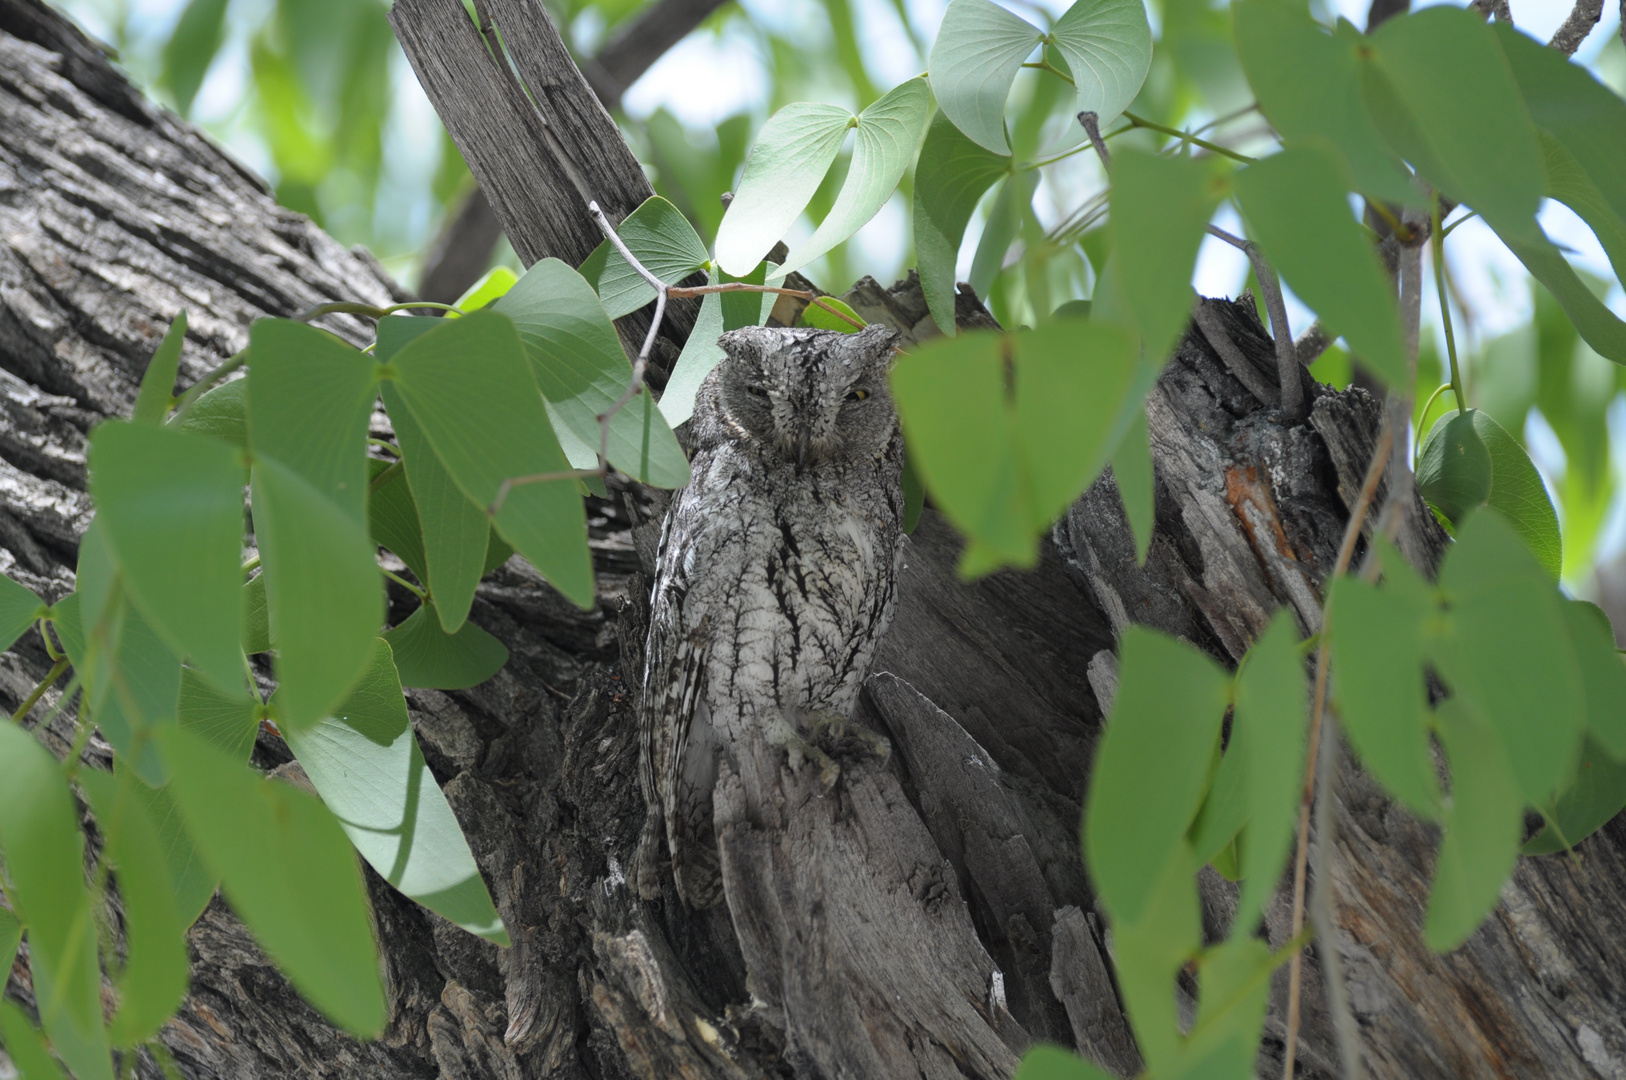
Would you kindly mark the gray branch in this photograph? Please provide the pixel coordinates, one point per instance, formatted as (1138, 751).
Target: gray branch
(1582, 18)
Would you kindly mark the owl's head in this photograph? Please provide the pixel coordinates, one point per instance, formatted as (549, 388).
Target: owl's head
(810, 395)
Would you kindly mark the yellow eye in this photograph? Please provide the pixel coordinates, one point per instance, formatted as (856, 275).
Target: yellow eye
(857, 395)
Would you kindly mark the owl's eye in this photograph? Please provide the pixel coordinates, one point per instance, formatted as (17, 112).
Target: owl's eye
(857, 395)
(756, 391)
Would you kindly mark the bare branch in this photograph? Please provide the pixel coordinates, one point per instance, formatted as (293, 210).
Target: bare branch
(1488, 8)
(1287, 360)
(1092, 128)
(1312, 343)
(1582, 18)
(1237, 364)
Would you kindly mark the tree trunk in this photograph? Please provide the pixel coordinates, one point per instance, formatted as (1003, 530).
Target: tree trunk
(928, 917)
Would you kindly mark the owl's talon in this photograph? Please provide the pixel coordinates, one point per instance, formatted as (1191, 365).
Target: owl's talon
(839, 727)
(800, 750)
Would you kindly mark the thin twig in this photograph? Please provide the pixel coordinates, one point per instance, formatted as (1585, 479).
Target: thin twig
(1287, 360)
(1352, 532)
(812, 298)
(39, 691)
(1437, 239)
(404, 583)
(1092, 128)
(1149, 125)
(1312, 343)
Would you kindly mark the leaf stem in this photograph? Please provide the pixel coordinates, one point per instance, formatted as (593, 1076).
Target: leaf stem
(38, 692)
(1346, 550)
(404, 583)
(1152, 125)
(50, 646)
(1437, 240)
(184, 403)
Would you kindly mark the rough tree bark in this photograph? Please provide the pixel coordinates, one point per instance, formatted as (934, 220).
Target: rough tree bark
(962, 852)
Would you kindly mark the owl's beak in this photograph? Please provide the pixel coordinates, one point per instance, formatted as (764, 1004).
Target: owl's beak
(803, 443)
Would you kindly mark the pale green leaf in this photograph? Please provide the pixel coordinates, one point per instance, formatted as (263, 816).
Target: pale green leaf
(366, 764)
(888, 133)
(1108, 47)
(1600, 327)
(660, 237)
(19, 607)
(1011, 204)
(793, 151)
(1137, 486)
(221, 414)
(289, 873)
(1234, 990)
(979, 49)
(719, 313)
(426, 655)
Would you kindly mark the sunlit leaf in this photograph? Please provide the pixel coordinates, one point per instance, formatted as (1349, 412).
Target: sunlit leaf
(492, 285)
(660, 237)
(469, 387)
(821, 318)
(793, 151)
(1108, 47)
(582, 372)
(888, 132)
(1297, 209)
(289, 873)
(950, 178)
(158, 382)
(426, 655)
(365, 762)
(979, 49)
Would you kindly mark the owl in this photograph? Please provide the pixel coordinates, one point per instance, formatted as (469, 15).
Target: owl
(775, 578)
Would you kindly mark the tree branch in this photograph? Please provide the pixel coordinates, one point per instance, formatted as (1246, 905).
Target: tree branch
(1287, 360)
(1582, 18)
(1312, 343)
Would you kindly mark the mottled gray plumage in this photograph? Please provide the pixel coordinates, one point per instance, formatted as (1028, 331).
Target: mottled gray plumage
(776, 573)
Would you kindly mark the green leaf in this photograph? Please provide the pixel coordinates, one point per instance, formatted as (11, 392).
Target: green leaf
(1160, 207)
(1011, 204)
(491, 286)
(950, 178)
(309, 399)
(428, 656)
(719, 313)
(958, 420)
(1603, 674)
(1518, 494)
(914, 496)
(1569, 184)
(1308, 85)
(171, 505)
(1137, 486)
(469, 387)
(979, 49)
(1454, 468)
(793, 151)
(157, 391)
(1046, 1062)
(1444, 97)
(134, 691)
(1378, 650)
(1483, 819)
(660, 237)
(324, 591)
(1271, 719)
(11, 932)
(19, 608)
(1569, 104)
(1591, 799)
(229, 723)
(1150, 768)
(1297, 210)
(191, 49)
(1509, 657)
(888, 134)
(23, 1042)
(44, 858)
(256, 633)
(1234, 990)
(289, 873)
(365, 762)
(220, 414)
(1598, 326)
(821, 319)
(154, 978)
(392, 515)
(582, 372)
(1108, 47)
(1151, 949)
